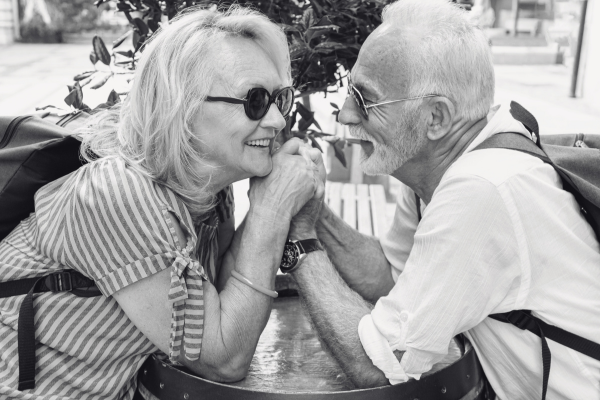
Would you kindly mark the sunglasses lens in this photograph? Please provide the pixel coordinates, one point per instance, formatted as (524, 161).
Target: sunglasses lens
(284, 101)
(359, 100)
(258, 103)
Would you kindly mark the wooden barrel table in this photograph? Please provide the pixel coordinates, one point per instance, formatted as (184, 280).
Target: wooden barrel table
(290, 363)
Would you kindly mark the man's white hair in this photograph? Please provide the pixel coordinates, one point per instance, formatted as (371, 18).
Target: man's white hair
(452, 57)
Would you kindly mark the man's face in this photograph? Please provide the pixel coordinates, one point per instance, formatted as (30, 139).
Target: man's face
(399, 143)
(393, 133)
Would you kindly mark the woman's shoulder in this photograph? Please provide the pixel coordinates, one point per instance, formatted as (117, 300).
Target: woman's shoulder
(114, 186)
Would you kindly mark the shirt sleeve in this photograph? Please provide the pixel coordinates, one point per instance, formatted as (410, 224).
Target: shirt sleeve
(464, 265)
(119, 231)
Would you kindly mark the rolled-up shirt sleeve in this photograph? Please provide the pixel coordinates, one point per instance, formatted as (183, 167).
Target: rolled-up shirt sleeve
(463, 266)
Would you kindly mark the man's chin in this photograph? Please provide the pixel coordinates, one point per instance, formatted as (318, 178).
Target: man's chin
(376, 164)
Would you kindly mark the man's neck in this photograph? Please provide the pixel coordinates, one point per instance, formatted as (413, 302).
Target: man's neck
(425, 170)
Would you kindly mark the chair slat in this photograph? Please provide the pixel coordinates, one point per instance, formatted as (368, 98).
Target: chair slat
(363, 204)
(334, 193)
(378, 206)
(349, 204)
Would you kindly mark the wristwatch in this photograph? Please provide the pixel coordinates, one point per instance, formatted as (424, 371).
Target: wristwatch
(295, 251)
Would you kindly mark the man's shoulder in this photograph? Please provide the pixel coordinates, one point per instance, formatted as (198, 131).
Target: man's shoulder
(495, 165)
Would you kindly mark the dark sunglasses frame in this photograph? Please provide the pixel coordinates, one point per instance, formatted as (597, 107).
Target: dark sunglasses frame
(245, 101)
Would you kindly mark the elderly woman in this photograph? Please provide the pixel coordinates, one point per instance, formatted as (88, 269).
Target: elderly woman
(149, 218)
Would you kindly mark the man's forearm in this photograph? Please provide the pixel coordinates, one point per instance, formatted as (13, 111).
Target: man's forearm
(336, 311)
(358, 258)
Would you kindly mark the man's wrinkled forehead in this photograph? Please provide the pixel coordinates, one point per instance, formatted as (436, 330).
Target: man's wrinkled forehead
(377, 68)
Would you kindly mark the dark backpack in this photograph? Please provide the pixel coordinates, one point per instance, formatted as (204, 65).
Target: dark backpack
(576, 159)
(34, 152)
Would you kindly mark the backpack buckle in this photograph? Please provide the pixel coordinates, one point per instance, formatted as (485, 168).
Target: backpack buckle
(519, 318)
(59, 282)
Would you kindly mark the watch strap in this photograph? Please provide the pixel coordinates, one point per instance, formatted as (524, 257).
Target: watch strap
(304, 247)
(309, 245)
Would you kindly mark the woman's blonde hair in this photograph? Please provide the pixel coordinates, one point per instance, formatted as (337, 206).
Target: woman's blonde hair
(153, 129)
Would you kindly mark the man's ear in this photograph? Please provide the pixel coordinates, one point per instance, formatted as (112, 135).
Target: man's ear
(442, 113)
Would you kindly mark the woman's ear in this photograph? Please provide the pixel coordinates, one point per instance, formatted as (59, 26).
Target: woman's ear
(442, 113)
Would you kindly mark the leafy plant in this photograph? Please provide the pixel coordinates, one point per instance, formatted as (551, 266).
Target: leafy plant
(325, 37)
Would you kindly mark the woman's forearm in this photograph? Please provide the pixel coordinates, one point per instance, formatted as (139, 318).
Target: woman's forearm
(236, 316)
(358, 258)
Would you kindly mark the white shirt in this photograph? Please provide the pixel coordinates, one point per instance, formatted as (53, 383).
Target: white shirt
(499, 234)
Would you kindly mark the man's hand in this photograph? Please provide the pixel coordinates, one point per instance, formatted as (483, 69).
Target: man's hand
(303, 223)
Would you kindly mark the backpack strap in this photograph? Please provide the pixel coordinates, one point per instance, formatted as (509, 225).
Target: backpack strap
(523, 319)
(519, 113)
(63, 281)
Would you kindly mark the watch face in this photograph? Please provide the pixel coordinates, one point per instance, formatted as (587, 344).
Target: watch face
(290, 255)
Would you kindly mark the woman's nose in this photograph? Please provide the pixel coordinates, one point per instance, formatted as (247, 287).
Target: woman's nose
(273, 119)
(349, 114)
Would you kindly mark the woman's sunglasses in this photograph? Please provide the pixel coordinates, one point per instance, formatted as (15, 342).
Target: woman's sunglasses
(258, 101)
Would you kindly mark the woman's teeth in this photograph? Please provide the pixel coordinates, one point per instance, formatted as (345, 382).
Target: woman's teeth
(258, 143)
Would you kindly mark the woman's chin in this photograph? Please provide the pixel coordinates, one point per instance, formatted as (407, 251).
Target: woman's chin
(262, 169)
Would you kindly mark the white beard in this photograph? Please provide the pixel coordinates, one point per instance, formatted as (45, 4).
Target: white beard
(408, 139)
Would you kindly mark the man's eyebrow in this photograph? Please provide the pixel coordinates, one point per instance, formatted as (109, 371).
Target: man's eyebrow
(366, 90)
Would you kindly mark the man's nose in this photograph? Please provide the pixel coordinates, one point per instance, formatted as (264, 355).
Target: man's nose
(349, 114)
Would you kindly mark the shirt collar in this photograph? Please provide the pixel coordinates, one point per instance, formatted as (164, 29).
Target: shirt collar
(499, 120)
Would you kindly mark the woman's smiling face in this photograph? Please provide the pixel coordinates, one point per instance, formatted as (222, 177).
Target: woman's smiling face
(237, 146)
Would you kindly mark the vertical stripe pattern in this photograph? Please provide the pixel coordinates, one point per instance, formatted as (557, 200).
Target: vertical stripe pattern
(112, 224)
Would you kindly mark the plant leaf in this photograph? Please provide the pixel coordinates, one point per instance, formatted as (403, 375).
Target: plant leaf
(100, 50)
(327, 47)
(121, 39)
(93, 57)
(334, 105)
(319, 134)
(303, 111)
(113, 98)
(140, 26)
(121, 6)
(315, 143)
(135, 40)
(304, 124)
(315, 123)
(308, 18)
(152, 24)
(338, 148)
(99, 80)
(128, 53)
(337, 115)
(289, 28)
(82, 76)
(75, 97)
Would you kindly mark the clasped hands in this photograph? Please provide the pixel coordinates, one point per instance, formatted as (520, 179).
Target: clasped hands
(294, 190)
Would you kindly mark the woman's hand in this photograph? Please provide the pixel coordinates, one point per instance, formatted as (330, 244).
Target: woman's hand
(294, 179)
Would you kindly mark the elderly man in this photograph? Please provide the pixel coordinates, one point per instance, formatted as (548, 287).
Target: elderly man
(497, 232)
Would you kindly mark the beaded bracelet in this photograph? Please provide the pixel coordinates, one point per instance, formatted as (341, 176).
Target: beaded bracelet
(254, 286)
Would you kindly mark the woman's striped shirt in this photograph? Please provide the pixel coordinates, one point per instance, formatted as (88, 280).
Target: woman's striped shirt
(111, 223)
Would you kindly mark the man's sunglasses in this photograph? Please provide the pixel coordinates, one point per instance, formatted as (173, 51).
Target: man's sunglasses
(258, 101)
(364, 108)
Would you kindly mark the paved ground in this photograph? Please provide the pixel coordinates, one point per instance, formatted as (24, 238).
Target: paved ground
(37, 74)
